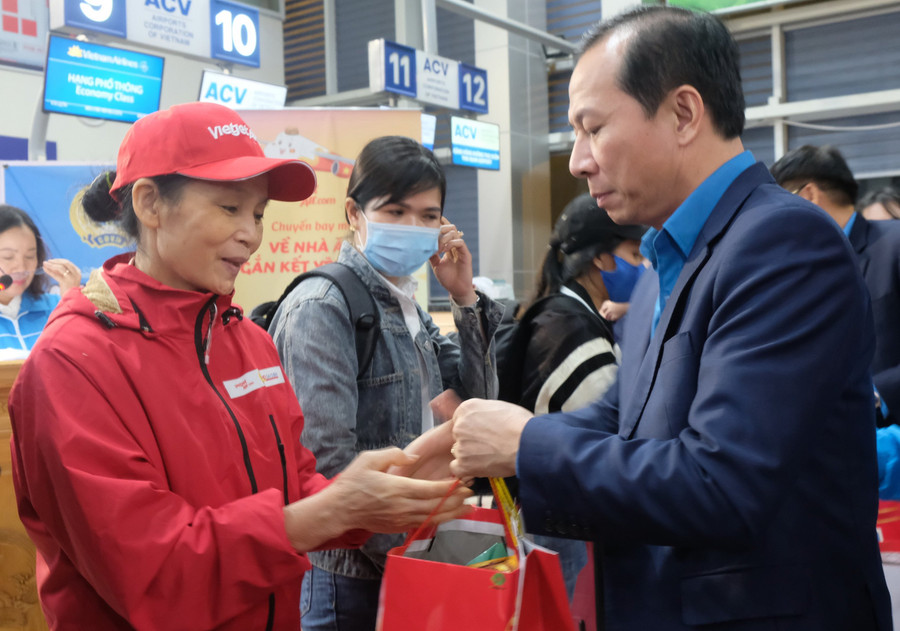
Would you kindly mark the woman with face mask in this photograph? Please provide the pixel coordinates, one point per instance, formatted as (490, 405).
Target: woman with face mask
(394, 205)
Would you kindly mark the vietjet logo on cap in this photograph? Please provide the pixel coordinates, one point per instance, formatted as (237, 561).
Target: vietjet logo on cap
(231, 129)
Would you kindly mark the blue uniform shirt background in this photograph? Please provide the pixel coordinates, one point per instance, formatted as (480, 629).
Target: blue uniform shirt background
(46, 192)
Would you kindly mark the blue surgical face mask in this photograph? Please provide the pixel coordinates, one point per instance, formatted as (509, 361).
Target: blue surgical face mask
(396, 249)
(620, 283)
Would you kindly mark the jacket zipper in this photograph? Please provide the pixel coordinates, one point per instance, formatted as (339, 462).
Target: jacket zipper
(202, 349)
(284, 475)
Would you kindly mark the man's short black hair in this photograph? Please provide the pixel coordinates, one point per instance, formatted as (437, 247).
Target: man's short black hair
(672, 47)
(824, 166)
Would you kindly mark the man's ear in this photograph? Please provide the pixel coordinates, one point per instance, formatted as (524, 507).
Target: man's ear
(147, 202)
(811, 193)
(688, 109)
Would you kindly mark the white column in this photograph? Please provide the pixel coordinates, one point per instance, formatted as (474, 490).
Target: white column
(514, 202)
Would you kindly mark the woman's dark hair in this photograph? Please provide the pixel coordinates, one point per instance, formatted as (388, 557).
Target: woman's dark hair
(583, 232)
(889, 197)
(12, 217)
(559, 268)
(101, 207)
(394, 167)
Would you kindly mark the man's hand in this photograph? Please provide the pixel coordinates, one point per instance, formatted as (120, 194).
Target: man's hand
(486, 435)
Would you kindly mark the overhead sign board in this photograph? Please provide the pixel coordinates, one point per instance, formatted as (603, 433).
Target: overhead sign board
(475, 144)
(211, 29)
(426, 78)
(177, 26)
(238, 93)
(100, 81)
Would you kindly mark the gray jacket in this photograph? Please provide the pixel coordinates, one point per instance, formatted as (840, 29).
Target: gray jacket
(343, 416)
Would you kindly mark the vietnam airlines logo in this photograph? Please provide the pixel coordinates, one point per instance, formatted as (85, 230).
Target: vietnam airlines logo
(97, 10)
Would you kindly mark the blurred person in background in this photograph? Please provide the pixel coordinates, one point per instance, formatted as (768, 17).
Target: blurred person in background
(821, 175)
(26, 303)
(880, 204)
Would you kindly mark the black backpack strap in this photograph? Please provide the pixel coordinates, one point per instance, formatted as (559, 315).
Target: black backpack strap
(363, 311)
(511, 353)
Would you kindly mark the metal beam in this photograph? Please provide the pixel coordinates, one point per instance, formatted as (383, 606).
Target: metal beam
(805, 13)
(831, 107)
(519, 28)
(363, 97)
(776, 113)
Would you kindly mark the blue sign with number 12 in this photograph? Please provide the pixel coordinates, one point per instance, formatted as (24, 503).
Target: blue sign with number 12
(473, 89)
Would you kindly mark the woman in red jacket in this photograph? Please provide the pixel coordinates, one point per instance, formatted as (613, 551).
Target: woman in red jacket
(156, 453)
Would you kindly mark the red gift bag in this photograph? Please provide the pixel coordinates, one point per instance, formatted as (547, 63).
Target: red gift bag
(888, 529)
(437, 595)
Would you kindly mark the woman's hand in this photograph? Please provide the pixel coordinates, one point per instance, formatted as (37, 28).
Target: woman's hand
(452, 265)
(364, 496)
(432, 455)
(612, 311)
(64, 272)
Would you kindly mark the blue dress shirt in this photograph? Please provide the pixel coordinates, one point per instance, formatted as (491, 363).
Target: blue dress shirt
(667, 249)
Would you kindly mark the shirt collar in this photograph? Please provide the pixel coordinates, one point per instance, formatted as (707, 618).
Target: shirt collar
(849, 225)
(685, 224)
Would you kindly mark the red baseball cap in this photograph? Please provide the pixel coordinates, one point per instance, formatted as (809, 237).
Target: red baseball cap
(206, 141)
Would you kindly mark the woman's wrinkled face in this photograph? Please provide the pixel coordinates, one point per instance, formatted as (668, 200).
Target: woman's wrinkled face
(19, 259)
(206, 235)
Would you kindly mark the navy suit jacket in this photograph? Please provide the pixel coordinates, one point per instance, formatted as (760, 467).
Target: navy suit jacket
(728, 478)
(877, 246)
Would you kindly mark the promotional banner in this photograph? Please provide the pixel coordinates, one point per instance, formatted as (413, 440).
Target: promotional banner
(304, 235)
(51, 195)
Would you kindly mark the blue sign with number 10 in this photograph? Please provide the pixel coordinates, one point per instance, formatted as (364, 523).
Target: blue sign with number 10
(234, 32)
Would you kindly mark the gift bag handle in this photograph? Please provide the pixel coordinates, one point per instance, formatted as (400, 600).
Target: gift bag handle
(414, 534)
(503, 498)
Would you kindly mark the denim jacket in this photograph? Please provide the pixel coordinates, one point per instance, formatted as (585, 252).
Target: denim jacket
(343, 416)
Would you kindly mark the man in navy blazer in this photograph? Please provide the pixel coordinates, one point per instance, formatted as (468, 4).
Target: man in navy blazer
(821, 175)
(728, 478)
